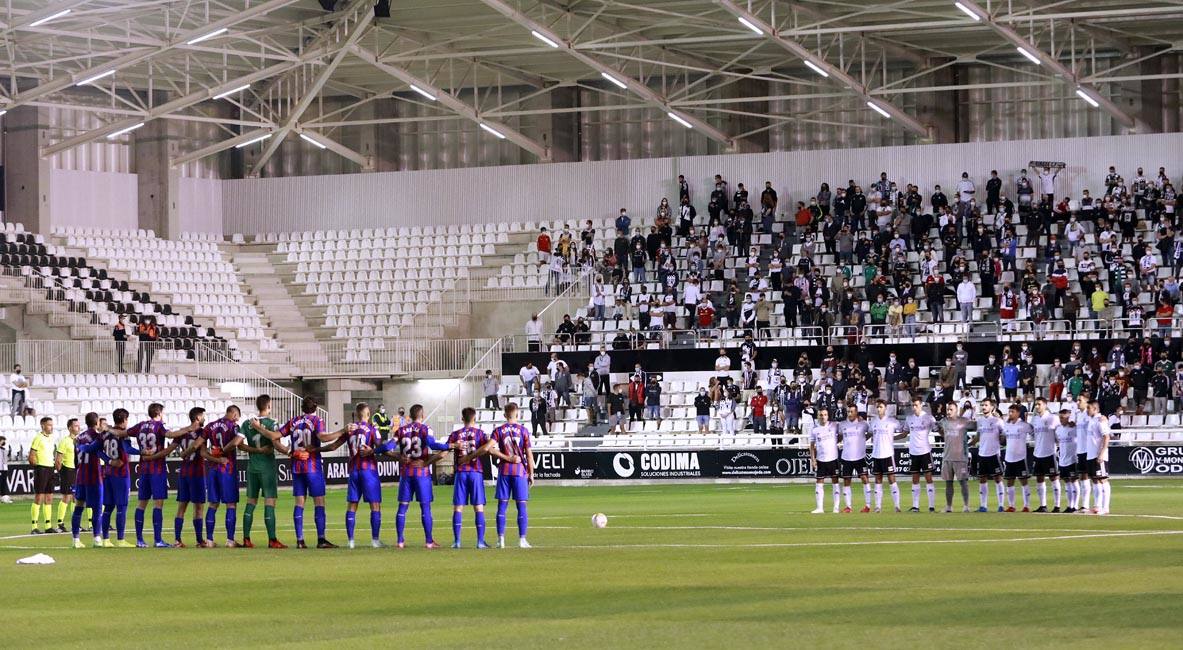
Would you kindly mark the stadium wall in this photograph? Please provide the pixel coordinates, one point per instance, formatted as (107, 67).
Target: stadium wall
(92, 199)
(573, 191)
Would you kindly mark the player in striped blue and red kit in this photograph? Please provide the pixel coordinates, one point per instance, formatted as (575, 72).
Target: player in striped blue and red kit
(221, 473)
(515, 475)
(88, 481)
(361, 440)
(191, 478)
(412, 444)
(469, 443)
(306, 433)
(153, 438)
(117, 478)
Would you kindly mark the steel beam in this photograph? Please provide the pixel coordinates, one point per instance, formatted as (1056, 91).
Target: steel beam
(219, 146)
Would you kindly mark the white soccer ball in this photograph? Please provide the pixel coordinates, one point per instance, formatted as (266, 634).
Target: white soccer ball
(599, 520)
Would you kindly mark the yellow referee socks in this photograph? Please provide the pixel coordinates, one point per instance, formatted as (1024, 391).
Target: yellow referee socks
(47, 513)
(34, 511)
(63, 512)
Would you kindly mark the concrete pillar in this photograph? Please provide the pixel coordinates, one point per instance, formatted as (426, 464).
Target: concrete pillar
(385, 140)
(560, 131)
(153, 147)
(26, 173)
(939, 110)
(737, 124)
(1152, 92)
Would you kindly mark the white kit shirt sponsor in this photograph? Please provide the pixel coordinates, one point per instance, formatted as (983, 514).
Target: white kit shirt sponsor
(883, 437)
(1016, 434)
(1044, 430)
(854, 439)
(1098, 428)
(988, 442)
(825, 439)
(1082, 429)
(1066, 438)
(919, 433)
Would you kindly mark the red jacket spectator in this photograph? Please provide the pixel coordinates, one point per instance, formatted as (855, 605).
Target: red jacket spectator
(706, 315)
(543, 242)
(636, 392)
(758, 402)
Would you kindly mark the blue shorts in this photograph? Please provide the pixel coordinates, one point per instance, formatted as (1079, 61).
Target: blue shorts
(364, 484)
(469, 489)
(223, 488)
(153, 486)
(191, 489)
(513, 487)
(116, 490)
(92, 495)
(417, 488)
(308, 485)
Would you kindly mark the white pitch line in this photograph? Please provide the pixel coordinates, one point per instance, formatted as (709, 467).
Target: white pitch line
(868, 528)
(871, 543)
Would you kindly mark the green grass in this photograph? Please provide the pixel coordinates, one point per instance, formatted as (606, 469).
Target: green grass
(679, 566)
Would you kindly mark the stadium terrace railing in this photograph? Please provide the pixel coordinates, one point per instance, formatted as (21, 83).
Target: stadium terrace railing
(243, 385)
(382, 358)
(580, 286)
(63, 357)
(464, 392)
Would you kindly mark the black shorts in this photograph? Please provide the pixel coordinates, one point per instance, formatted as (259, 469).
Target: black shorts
(922, 463)
(66, 484)
(989, 466)
(1098, 469)
(1046, 466)
(1017, 469)
(851, 468)
(1082, 464)
(827, 469)
(1068, 472)
(42, 480)
(883, 466)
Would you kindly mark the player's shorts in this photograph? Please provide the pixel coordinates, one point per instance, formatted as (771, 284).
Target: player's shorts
(954, 470)
(826, 469)
(191, 489)
(415, 488)
(883, 466)
(223, 487)
(516, 488)
(469, 489)
(852, 468)
(1068, 472)
(42, 480)
(66, 480)
(116, 490)
(989, 466)
(153, 486)
(1017, 469)
(1046, 466)
(258, 480)
(922, 463)
(91, 494)
(1082, 464)
(1098, 468)
(308, 485)
(364, 484)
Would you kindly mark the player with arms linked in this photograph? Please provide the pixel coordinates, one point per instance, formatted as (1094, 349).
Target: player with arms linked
(361, 440)
(413, 445)
(153, 438)
(515, 474)
(88, 484)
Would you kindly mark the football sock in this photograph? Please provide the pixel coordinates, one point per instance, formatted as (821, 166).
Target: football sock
(1026, 496)
(120, 521)
(1106, 490)
(895, 495)
(1097, 495)
(878, 496)
(375, 523)
(100, 521)
(819, 492)
(916, 495)
(198, 530)
(400, 522)
(480, 525)
(930, 490)
(33, 513)
(1042, 488)
(425, 517)
(76, 522)
(1057, 491)
(846, 495)
(837, 496)
(948, 494)
(1010, 496)
(867, 493)
(211, 518)
(982, 492)
(298, 522)
(964, 492)
(269, 520)
(457, 521)
(318, 515)
(63, 509)
(231, 522)
(501, 508)
(350, 523)
(1086, 493)
(47, 512)
(523, 519)
(1070, 493)
(248, 518)
(178, 525)
(998, 491)
(105, 521)
(139, 517)
(158, 524)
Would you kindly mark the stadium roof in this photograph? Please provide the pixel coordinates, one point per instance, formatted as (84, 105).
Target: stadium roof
(137, 60)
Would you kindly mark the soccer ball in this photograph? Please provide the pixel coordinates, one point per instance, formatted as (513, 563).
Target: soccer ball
(599, 520)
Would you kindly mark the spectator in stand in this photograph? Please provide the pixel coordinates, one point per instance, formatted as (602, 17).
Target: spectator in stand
(636, 399)
(616, 400)
(623, 223)
(543, 245)
(533, 334)
(18, 384)
(603, 369)
(1010, 379)
(149, 335)
(561, 379)
(653, 400)
(588, 400)
(967, 296)
(4, 496)
(758, 404)
(565, 332)
(702, 410)
(490, 386)
(539, 415)
(119, 333)
(528, 374)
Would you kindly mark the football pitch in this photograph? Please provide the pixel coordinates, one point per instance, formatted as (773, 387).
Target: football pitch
(678, 566)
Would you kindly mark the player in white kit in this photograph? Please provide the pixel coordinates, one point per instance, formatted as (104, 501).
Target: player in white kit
(1080, 416)
(1043, 426)
(988, 441)
(1016, 431)
(854, 456)
(920, 426)
(1098, 458)
(1066, 439)
(823, 458)
(884, 432)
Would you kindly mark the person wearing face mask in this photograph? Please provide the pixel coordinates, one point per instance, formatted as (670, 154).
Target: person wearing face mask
(381, 421)
(702, 410)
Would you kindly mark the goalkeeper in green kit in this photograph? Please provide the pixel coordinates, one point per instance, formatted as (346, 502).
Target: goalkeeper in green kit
(261, 472)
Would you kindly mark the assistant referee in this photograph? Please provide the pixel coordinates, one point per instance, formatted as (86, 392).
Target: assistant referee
(63, 456)
(41, 459)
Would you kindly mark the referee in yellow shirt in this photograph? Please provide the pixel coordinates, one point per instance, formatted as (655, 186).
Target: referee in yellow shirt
(41, 458)
(63, 457)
